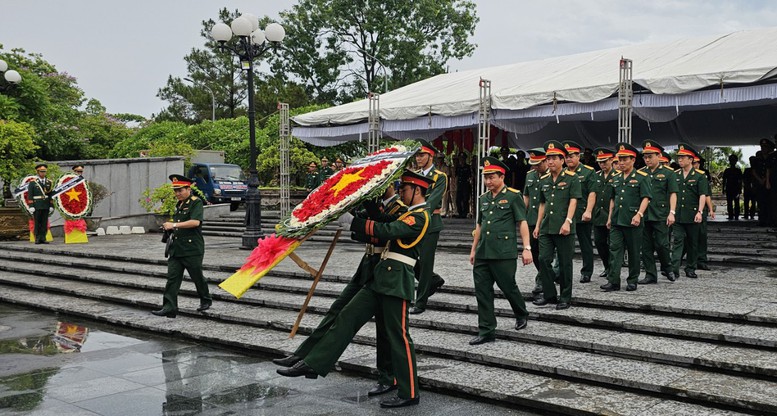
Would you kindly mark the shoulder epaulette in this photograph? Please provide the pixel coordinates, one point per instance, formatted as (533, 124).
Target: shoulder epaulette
(588, 167)
(617, 172)
(570, 173)
(400, 203)
(484, 194)
(643, 169)
(439, 172)
(513, 190)
(641, 172)
(545, 175)
(194, 198)
(700, 171)
(678, 171)
(420, 209)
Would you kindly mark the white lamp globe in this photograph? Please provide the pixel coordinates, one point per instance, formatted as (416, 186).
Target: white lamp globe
(13, 77)
(221, 32)
(253, 19)
(274, 32)
(242, 27)
(3, 66)
(257, 38)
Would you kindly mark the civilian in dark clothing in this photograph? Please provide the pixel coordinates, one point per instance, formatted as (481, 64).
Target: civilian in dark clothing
(512, 165)
(463, 185)
(750, 186)
(732, 187)
(521, 170)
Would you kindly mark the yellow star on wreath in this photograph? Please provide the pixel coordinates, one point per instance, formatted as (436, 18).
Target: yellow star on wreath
(73, 195)
(346, 180)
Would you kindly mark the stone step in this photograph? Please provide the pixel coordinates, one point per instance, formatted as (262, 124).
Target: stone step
(544, 329)
(525, 389)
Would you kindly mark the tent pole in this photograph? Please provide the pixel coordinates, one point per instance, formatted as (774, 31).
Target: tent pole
(625, 101)
(373, 141)
(484, 135)
(285, 138)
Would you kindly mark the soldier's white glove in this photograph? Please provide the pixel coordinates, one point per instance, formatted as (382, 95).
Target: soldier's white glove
(32, 209)
(345, 220)
(51, 210)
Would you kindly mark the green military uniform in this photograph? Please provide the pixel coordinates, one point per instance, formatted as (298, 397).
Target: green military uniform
(38, 197)
(531, 194)
(312, 180)
(602, 210)
(428, 280)
(583, 229)
(686, 230)
(556, 195)
(628, 192)
(656, 234)
(496, 252)
(186, 253)
(389, 291)
(392, 209)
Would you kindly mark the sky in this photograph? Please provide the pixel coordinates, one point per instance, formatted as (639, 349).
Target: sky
(122, 52)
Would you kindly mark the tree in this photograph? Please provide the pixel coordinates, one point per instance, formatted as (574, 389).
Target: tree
(339, 48)
(17, 146)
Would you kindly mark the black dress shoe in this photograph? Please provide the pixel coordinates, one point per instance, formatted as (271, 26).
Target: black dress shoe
(690, 274)
(416, 311)
(399, 402)
(380, 389)
(162, 312)
(436, 286)
(647, 281)
(562, 305)
(537, 290)
(672, 276)
(481, 340)
(604, 273)
(585, 279)
(298, 369)
(520, 324)
(287, 361)
(610, 287)
(631, 287)
(703, 267)
(543, 301)
(204, 306)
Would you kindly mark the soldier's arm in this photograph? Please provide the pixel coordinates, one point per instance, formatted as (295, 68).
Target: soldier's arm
(405, 228)
(434, 199)
(475, 239)
(591, 197)
(540, 215)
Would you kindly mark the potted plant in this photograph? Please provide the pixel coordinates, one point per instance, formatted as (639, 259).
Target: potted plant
(99, 193)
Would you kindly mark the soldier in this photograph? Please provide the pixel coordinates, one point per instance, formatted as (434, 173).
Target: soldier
(78, 170)
(339, 165)
(187, 249)
(709, 210)
(38, 197)
(531, 198)
(660, 214)
(628, 203)
(605, 158)
(390, 209)
(326, 171)
(389, 290)
(664, 159)
(732, 188)
(494, 249)
(559, 192)
(692, 190)
(312, 179)
(585, 207)
(429, 281)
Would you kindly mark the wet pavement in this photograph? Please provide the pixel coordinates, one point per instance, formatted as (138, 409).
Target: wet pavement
(58, 365)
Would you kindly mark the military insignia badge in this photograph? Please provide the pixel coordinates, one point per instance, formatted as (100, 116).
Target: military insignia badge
(622, 147)
(503, 201)
(551, 146)
(486, 163)
(409, 220)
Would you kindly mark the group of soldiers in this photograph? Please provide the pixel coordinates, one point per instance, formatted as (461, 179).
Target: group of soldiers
(629, 212)
(316, 176)
(757, 185)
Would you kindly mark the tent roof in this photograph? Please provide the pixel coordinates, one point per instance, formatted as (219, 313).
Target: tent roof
(675, 67)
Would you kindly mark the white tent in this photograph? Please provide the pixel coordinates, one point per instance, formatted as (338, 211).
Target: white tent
(705, 90)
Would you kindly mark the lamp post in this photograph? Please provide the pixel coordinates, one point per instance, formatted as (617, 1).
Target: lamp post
(212, 98)
(11, 76)
(252, 43)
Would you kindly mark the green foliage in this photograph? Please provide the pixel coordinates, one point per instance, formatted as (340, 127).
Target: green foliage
(161, 200)
(229, 135)
(16, 142)
(338, 48)
(99, 192)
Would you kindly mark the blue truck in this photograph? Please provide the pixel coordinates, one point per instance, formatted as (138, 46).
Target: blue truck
(221, 182)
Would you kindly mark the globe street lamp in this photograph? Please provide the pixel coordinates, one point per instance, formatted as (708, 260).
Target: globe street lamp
(212, 98)
(252, 43)
(11, 76)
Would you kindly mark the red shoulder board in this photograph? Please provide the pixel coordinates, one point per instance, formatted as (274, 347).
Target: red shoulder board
(409, 220)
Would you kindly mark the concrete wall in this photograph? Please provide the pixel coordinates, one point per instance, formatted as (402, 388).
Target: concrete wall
(126, 179)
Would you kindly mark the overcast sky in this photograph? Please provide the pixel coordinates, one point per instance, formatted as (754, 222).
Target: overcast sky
(122, 52)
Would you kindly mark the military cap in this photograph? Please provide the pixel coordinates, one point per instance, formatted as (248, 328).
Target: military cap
(572, 147)
(324, 159)
(536, 156)
(313, 164)
(180, 181)
(41, 165)
(664, 158)
(339, 160)
(493, 165)
(603, 153)
(554, 147)
(649, 146)
(684, 149)
(426, 147)
(413, 178)
(625, 149)
(766, 142)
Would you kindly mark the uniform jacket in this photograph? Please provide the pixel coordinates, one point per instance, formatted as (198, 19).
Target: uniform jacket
(689, 190)
(557, 195)
(324, 173)
(388, 213)
(38, 193)
(188, 241)
(499, 218)
(602, 210)
(532, 191)
(628, 192)
(434, 197)
(663, 184)
(588, 184)
(311, 181)
(392, 277)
